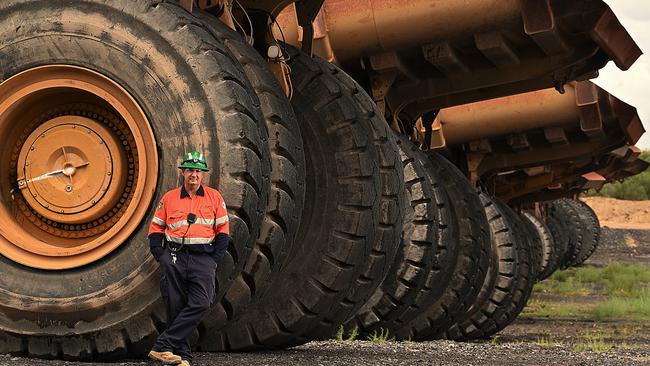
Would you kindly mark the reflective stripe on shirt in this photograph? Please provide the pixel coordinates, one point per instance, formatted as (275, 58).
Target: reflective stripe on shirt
(221, 220)
(178, 240)
(199, 221)
(158, 221)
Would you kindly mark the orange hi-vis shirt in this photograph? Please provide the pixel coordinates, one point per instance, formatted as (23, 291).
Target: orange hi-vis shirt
(170, 217)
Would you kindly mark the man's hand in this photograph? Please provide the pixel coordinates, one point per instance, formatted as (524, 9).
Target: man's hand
(220, 245)
(156, 245)
(157, 252)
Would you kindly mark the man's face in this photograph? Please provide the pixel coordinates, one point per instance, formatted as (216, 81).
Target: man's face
(193, 177)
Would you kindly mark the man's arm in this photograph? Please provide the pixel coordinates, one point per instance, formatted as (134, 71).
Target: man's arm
(155, 245)
(157, 230)
(221, 231)
(220, 245)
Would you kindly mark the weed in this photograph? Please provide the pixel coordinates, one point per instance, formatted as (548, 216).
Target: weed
(546, 341)
(339, 333)
(380, 336)
(495, 340)
(353, 334)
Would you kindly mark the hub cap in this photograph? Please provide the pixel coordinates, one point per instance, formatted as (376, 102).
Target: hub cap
(83, 167)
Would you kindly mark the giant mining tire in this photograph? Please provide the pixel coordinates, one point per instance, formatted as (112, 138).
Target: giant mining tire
(542, 238)
(525, 273)
(560, 238)
(119, 90)
(388, 232)
(282, 217)
(350, 226)
(470, 265)
(497, 292)
(590, 230)
(537, 250)
(572, 228)
(426, 255)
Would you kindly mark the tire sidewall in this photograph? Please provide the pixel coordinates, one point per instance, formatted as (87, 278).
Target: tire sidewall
(52, 38)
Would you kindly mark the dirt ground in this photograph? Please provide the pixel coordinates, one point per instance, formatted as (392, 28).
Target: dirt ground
(528, 341)
(621, 214)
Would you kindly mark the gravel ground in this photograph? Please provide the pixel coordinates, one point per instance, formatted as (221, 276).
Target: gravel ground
(622, 245)
(515, 345)
(360, 353)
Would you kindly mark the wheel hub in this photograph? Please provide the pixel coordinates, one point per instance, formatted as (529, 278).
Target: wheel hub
(82, 166)
(65, 169)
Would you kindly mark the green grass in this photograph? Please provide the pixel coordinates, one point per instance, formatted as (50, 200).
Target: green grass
(592, 342)
(546, 341)
(554, 309)
(597, 340)
(636, 308)
(625, 289)
(617, 279)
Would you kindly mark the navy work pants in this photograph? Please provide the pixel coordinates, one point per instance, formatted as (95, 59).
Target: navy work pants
(188, 288)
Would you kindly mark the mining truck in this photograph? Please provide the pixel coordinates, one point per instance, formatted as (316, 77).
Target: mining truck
(388, 165)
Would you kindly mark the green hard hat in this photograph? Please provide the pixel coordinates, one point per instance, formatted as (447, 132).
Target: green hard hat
(194, 160)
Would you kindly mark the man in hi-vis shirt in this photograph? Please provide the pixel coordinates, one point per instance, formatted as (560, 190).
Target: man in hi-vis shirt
(188, 236)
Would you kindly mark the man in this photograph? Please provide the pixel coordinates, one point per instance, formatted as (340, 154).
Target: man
(193, 221)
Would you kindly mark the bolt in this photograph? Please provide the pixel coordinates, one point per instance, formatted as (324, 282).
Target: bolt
(108, 173)
(93, 202)
(62, 211)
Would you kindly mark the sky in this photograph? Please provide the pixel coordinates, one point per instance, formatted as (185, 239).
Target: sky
(632, 86)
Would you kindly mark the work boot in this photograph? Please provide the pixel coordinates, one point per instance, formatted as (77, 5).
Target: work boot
(165, 357)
